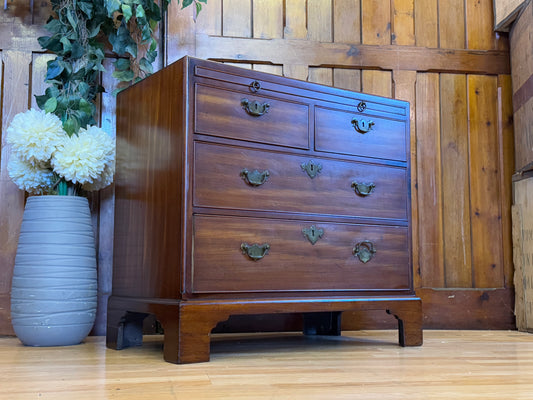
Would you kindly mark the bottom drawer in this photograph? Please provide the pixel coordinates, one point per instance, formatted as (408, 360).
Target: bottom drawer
(238, 254)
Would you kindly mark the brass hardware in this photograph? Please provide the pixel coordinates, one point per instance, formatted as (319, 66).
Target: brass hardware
(362, 125)
(361, 106)
(312, 168)
(313, 234)
(255, 86)
(255, 108)
(363, 189)
(255, 178)
(364, 250)
(255, 251)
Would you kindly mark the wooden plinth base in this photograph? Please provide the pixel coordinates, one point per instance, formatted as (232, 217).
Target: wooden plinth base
(188, 324)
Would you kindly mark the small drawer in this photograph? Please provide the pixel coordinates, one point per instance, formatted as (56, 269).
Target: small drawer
(247, 116)
(340, 131)
(237, 254)
(239, 178)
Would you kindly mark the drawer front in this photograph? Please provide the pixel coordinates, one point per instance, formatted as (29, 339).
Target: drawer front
(246, 116)
(284, 183)
(236, 254)
(343, 132)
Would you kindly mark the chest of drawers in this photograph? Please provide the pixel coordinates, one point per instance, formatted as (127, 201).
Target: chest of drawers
(240, 192)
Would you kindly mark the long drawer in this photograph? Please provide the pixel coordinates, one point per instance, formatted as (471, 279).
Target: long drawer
(237, 254)
(242, 178)
(247, 116)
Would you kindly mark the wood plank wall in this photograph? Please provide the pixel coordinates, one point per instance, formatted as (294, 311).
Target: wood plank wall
(440, 55)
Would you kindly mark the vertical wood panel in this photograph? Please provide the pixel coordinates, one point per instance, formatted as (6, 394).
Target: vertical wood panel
(271, 69)
(405, 89)
(426, 23)
(429, 180)
(377, 82)
(347, 21)
(209, 20)
(15, 99)
(295, 19)
(376, 21)
(268, 19)
(321, 75)
(403, 22)
(506, 147)
(296, 71)
(38, 74)
(452, 24)
(319, 20)
(181, 33)
(479, 18)
(485, 181)
(105, 211)
(237, 18)
(347, 79)
(455, 181)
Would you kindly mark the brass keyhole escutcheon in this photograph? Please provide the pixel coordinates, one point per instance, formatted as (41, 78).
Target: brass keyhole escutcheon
(312, 168)
(254, 107)
(362, 125)
(313, 234)
(364, 251)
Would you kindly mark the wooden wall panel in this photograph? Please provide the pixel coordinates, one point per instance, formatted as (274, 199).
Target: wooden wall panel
(484, 181)
(393, 48)
(455, 174)
(429, 172)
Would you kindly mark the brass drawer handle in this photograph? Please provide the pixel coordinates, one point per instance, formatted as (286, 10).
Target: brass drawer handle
(312, 168)
(255, 251)
(364, 250)
(361, 106)
(362, 125)
(255, 86)
(363, 189)
(255, 178)
(313, 234)
(255, 108)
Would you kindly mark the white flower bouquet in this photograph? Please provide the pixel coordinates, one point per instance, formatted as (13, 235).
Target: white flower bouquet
(46, 160)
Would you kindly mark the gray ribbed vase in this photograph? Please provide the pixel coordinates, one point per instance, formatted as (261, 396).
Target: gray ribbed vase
(54, 288)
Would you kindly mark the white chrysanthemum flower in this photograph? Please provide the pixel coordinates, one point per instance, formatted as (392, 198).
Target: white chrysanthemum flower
(34, 135)
(82, 158)
(103, 181)
(34, 178)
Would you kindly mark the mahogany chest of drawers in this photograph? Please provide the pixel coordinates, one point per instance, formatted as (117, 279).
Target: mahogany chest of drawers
(240, 192)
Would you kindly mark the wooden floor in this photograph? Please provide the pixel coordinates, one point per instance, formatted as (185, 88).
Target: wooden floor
(450, 365)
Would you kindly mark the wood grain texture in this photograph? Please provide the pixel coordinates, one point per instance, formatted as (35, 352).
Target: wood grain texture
(347, 21)
(16, 75)
(319, 20)
(376, 22)
(455, 174)
(295, 19)
(485, 171)
(429, 175)
(378, 83)
(479, 29)
(451, 365)
(403, 22)
(507, 151)
(209, 21)
(237, 18)
(452, 24)
(426, 27)
(323, 76)
(268, 19)
(180, 33)
(347, 78)
(302, 52)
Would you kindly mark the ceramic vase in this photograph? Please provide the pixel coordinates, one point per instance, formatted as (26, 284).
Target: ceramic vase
(54, 287)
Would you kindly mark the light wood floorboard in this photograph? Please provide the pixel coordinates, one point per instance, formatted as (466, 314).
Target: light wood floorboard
(358, 365)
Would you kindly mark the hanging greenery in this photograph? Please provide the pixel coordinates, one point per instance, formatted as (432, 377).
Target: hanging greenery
(80, 33)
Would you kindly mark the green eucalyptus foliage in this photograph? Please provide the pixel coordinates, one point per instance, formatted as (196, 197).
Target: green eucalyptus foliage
(81, 31)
